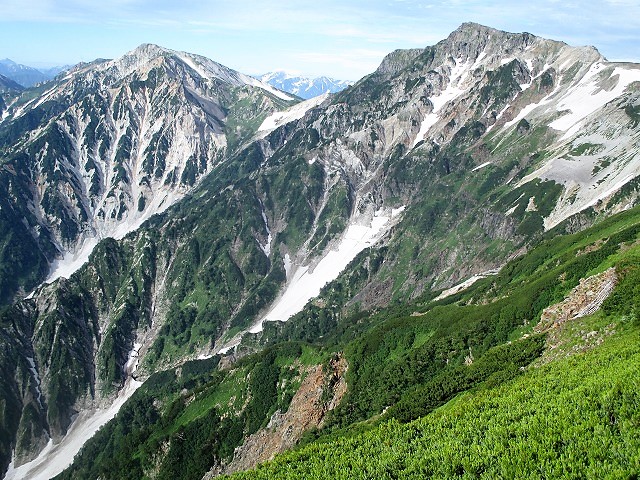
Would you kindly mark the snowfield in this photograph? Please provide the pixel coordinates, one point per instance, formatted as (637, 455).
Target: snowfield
(296, 112)
(72, 261)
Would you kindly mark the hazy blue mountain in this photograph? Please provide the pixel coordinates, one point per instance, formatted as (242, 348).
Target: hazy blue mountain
(304, 87)
(21, 74)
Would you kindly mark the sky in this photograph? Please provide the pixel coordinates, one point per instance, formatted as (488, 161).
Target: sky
(338, 38)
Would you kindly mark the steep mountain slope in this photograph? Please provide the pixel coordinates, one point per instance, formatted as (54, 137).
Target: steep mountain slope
(466, 135)
(408, 362)
(444, 163)
(304, 87)
(96, 153)
(8, 89)
(8, 85)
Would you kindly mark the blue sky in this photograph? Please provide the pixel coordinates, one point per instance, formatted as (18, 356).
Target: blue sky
(343, 39)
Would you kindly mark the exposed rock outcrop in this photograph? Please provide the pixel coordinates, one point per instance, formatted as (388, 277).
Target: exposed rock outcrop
(584, 299)
(319, 393)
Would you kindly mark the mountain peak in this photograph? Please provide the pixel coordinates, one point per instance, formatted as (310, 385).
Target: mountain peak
(149, 50)
(145, 53)
(473, 26)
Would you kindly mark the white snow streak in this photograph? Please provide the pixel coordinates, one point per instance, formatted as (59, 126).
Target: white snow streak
(53, 459)
(452, 91)
(132, 361)
(273, 91)
(586, 97)
(466, 284)
(287, 265)
(36, 378)
(72, 261)
(266, 248)
(294, 113)
(226, 349)
(307, 280)
(482, 165)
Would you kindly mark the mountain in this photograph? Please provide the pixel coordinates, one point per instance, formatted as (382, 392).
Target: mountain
(353, 219)
(21, 74)
(304, 87)
(28, 76)
(53, 72)
(109, 145)
(8, 88)
(8, 85)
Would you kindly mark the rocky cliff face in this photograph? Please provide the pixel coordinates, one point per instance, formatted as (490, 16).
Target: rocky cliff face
(99, 151)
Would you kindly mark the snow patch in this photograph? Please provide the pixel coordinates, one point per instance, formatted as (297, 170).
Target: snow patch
(53, 459)
(308, 280)
(36, 378)
(452, 91)
(397, 211)
(266, 248)
(132, 362)
(72, 261)
(466, 284)
(296, 112)
(287, 265)
(587, 97)
(482, 165)
(228, 348)
(265, 86)
(511, 210)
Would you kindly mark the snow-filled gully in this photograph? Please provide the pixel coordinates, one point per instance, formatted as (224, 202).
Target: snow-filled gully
(304, 282)
(54, 458)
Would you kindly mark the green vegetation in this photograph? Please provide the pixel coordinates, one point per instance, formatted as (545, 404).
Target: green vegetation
(457, 370)
(575, 418)
(181, 423)
(200, 273)
(633, 111)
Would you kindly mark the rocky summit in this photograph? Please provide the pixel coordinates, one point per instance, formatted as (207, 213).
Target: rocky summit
(217, 271)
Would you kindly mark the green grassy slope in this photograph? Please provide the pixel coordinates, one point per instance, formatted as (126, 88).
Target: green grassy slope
(577, 416)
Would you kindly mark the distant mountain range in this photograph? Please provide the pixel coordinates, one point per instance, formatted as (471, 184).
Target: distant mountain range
(304, 87)
(27, 76)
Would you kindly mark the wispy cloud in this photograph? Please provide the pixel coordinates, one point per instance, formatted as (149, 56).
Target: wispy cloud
(345, 38)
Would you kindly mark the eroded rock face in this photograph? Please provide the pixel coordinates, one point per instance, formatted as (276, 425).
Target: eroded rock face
(566, 335)
(320, 392)
(584, 299)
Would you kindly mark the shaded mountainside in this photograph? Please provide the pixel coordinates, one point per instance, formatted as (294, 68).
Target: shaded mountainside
(8, 85)
(444, 163)
(23, 75)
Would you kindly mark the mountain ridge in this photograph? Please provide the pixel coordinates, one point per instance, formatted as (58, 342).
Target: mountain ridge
(103, 191)
(27, 76)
